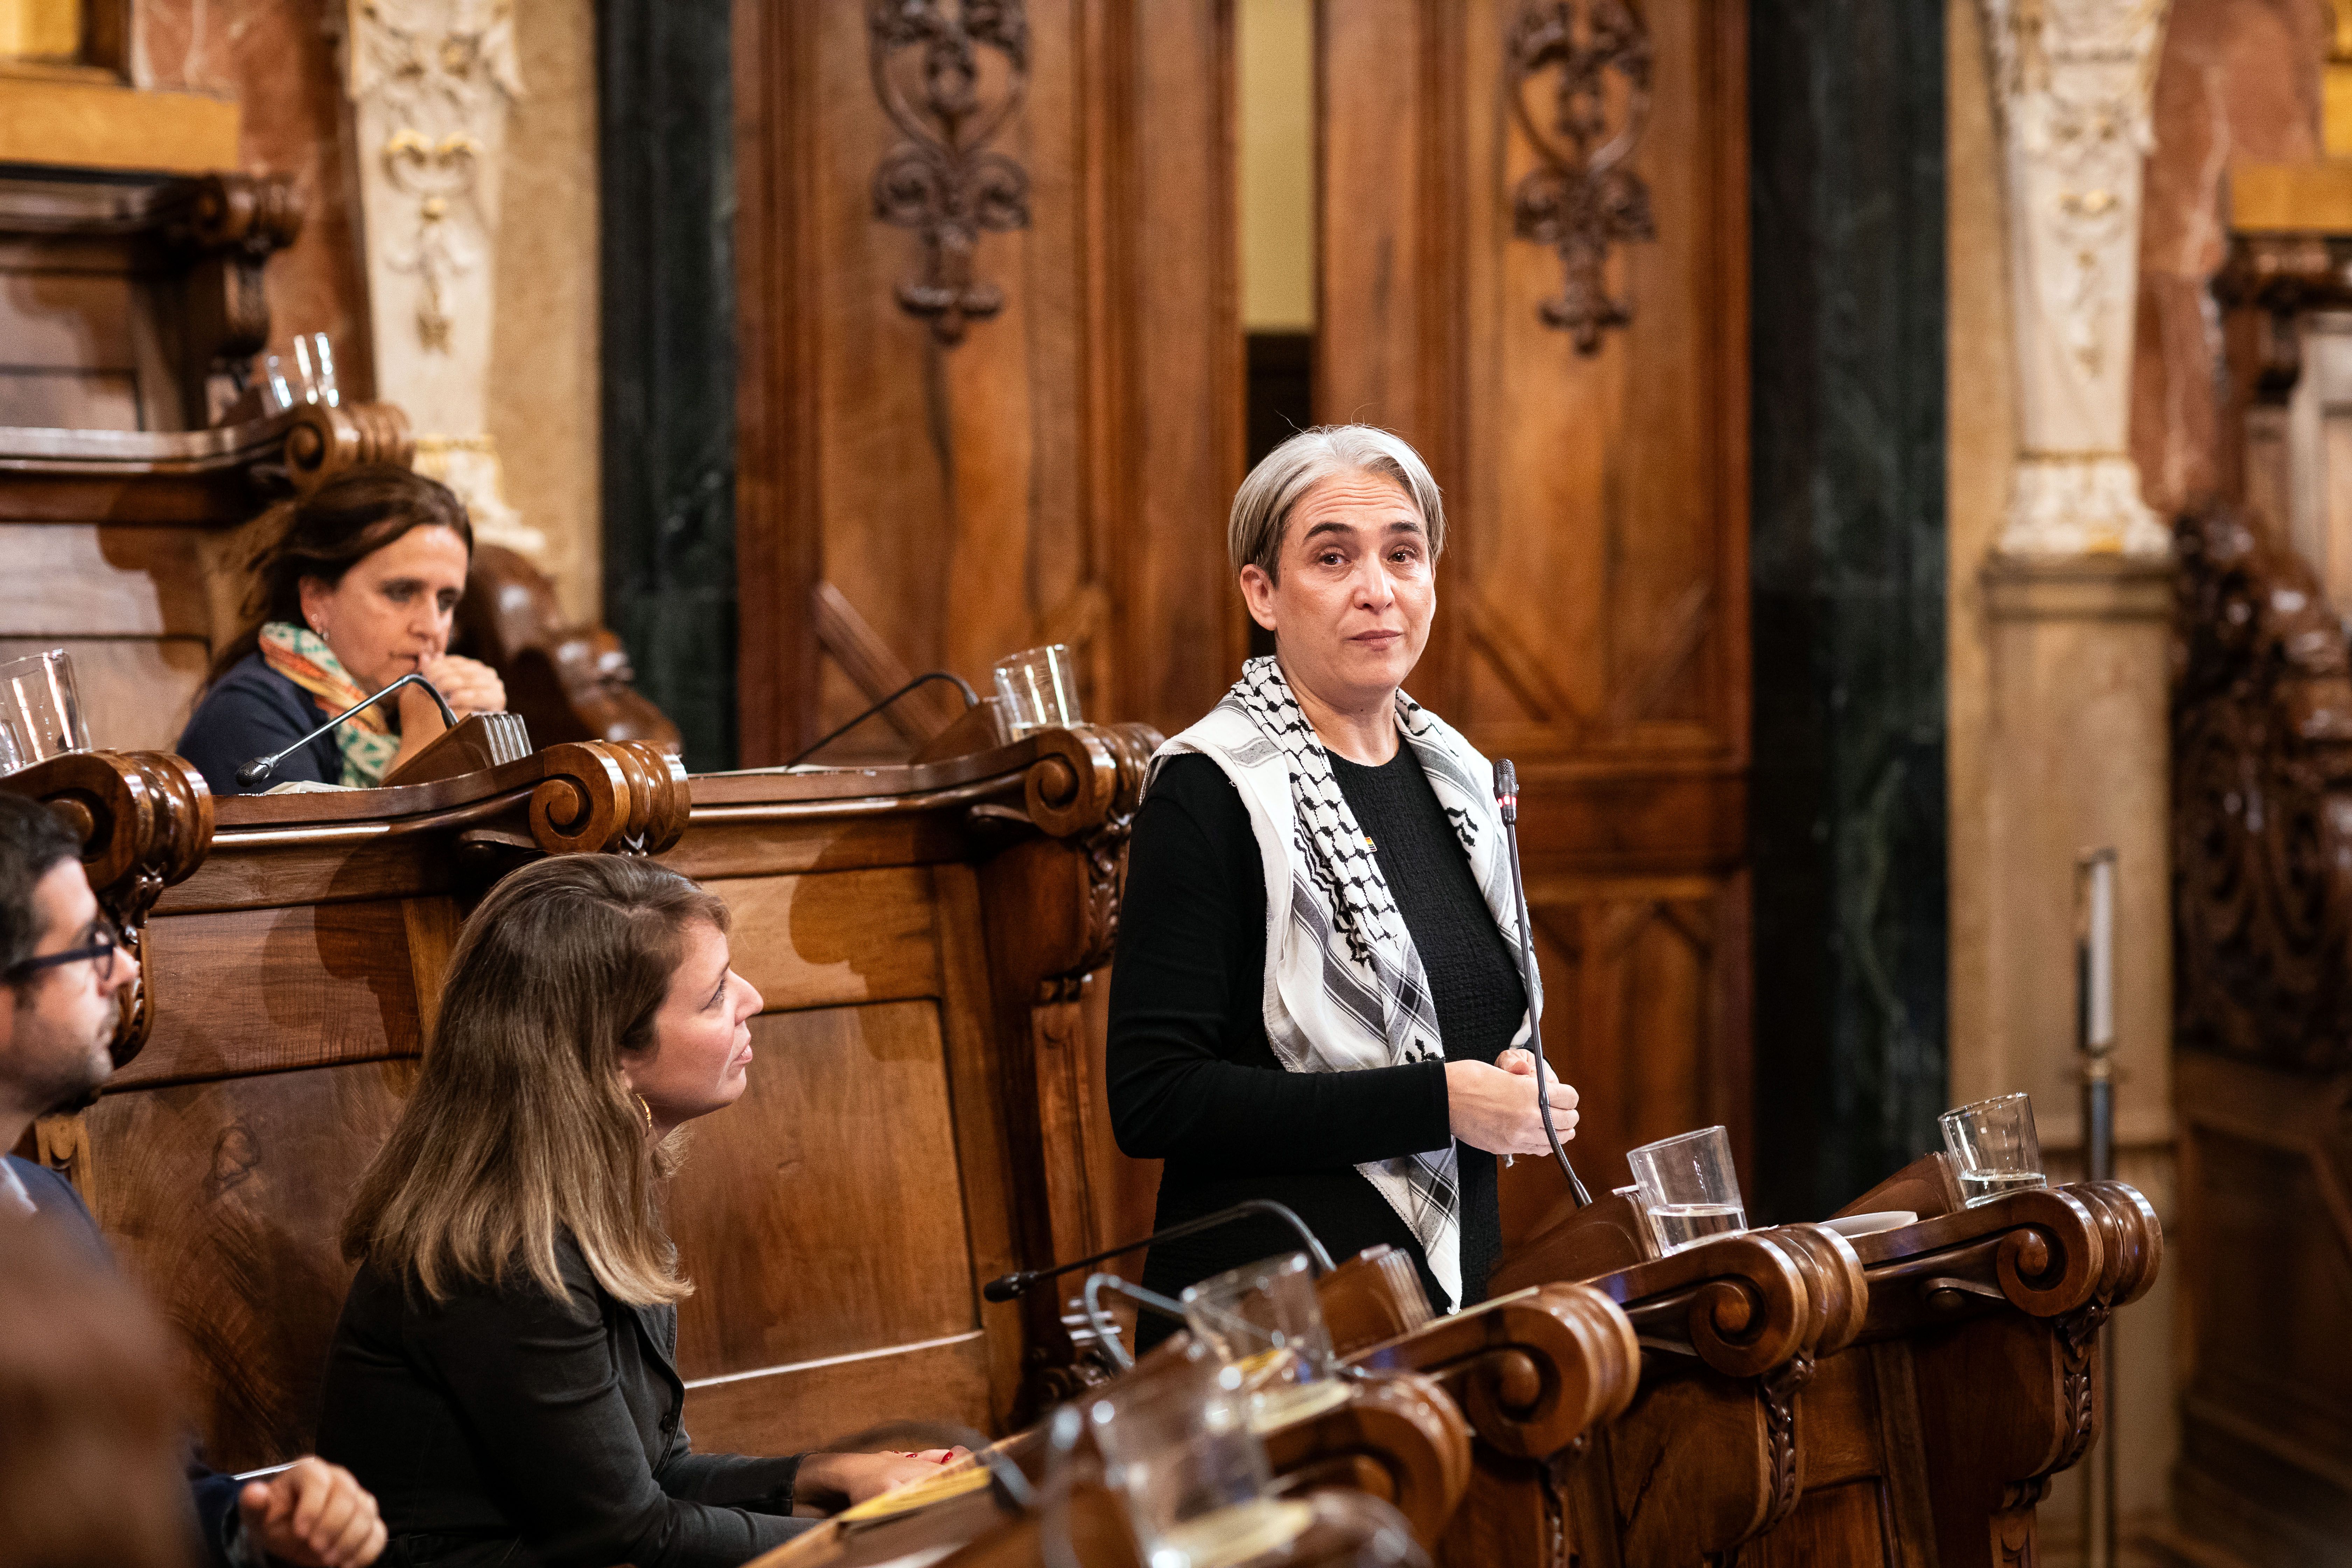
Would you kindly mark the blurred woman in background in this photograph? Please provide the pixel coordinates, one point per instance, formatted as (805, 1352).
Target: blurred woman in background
(358, 591)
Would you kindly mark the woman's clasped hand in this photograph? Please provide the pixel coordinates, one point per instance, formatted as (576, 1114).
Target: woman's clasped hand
(1495, 1108)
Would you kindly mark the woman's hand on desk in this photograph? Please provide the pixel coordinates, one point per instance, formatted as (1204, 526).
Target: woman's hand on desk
(838, 1481)
(469, 685)
(1494, 1108)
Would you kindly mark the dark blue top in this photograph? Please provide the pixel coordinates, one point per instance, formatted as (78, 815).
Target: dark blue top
(214, 1494)
(250, 713)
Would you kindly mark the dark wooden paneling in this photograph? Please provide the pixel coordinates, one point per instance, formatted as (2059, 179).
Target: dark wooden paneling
(845, 936)
(1592, 620)
(825, 1214)
(965, 499)
(265, 989)
(796, 1409)
(222, 1199)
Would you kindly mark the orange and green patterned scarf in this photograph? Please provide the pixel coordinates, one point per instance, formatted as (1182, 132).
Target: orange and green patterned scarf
(366, 739)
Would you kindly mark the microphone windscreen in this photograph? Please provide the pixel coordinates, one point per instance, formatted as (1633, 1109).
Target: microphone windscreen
(1005, 1288)
(254, 772)
(1506, 778)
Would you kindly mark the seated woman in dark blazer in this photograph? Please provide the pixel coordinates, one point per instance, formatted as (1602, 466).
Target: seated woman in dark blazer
(358, 591)
(503, 1375)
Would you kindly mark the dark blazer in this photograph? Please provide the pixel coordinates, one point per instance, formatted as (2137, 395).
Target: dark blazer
(212, 1493)
(508, 1427)
(250, 713)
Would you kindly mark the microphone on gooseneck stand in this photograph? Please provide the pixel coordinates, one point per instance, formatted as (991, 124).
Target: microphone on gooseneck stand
(260, 768)
(1506, 796)
(1006, 1287)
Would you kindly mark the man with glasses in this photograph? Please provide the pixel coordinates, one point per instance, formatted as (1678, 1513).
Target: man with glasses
(66, 976)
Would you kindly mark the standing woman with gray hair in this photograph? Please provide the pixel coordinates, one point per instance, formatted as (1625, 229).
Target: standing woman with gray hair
(1317, 995)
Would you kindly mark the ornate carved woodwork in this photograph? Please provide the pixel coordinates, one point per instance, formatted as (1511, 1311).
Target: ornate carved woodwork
(145, 821)
(295, 968)
(945, 180)
(2262, 844)
(1897, 1398)
(1583, 196)
(167, 305)
(1011, 493)
(2261, 829)
(1594, 601)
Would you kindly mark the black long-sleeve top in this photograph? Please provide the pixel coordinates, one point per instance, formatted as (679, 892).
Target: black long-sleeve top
(1193, 1081)
(251, 711)
(506, 1426)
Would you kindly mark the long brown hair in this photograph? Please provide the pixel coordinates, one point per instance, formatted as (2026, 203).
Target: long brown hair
(90, 1432)
(342, 522)
(519, 1124)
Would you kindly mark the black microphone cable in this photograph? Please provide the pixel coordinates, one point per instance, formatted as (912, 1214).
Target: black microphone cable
(970, 701)
(1507, 797)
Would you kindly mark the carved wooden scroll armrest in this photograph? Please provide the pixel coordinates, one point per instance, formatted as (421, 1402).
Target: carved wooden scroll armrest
(609, 797)
(327, 440)
(2044, 1252)
(1397, 1435)
(1534, 1370)
(146, 819)
(1739, 1304)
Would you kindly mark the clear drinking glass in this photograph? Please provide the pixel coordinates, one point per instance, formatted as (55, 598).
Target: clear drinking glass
(1689, 1188)
(1040, 688)
(1265, 1320)
(40, 711)
(1176, 1444)
(1994, 1146)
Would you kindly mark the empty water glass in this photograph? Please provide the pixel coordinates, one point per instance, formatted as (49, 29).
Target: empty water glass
(1176, 1444)
(1689, 1187)
(1994, 1147)
(1266, 1320)
(40, 711)
(1040, 688)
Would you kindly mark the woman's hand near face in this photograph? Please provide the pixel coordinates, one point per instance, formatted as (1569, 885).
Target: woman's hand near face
(1494, 1108)
(470, 686)
(833, 1482)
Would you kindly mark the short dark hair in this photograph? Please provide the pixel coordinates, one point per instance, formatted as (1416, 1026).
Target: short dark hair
(32, 840)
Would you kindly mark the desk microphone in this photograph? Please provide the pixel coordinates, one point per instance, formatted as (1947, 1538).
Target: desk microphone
(1006, 1287)
(260, 768)
(1506, 796)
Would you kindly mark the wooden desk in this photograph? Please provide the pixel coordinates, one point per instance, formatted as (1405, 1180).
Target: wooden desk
(920, 935)
(1900, 1399)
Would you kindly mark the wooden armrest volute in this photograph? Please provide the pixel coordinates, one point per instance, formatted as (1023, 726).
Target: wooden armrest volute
(1398, 1438)
(1533, 1372)
(145, 821)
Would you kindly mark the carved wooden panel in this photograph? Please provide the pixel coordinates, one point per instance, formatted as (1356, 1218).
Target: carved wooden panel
(980, 428)
(1592, 620)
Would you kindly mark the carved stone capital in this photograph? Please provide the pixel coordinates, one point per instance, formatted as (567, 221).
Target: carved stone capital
(2081, 506)
(2071, 83)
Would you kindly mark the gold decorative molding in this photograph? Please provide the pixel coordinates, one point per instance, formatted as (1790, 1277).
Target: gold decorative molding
(73, 124)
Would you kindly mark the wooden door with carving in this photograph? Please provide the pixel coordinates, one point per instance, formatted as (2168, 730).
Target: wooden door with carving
(1533, 265)
(990, 385)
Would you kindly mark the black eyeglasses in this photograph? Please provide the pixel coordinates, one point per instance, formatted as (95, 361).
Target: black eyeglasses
(105, 944)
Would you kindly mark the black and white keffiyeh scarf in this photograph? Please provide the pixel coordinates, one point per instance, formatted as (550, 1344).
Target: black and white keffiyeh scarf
(1344, 987)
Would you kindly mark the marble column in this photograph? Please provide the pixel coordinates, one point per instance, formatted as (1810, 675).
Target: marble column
(2062, 607)
(430, 83)
(2077, 590)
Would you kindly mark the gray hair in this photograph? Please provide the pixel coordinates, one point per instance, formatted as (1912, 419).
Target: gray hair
(1263, 505)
